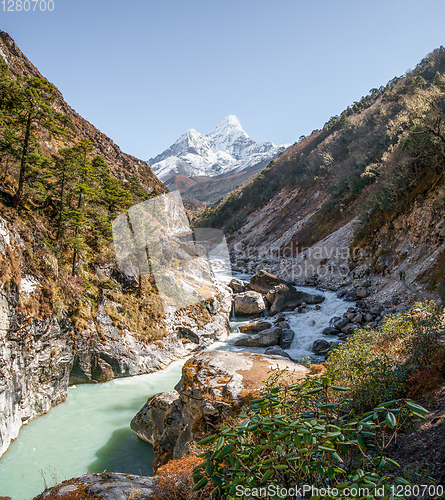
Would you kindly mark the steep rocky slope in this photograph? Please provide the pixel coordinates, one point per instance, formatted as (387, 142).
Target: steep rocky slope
(364, 193)
(94, 319)
(42, 350)
(122, 165)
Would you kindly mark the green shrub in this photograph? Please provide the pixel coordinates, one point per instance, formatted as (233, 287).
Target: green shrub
(304, 434)
(375, 364)
(427, 328)
(369, 366)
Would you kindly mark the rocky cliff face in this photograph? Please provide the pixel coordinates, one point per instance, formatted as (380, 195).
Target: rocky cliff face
(35, 365)
(42, 351)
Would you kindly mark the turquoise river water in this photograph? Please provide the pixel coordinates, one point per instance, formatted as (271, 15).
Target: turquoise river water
(89, 432)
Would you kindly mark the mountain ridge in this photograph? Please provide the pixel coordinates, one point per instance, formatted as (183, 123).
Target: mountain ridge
(122, 165)
(378, 167)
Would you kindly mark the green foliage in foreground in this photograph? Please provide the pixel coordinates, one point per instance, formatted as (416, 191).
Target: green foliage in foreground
(306, 434)
(376, 364)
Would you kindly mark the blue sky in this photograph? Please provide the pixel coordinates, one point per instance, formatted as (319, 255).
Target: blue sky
(145, 71)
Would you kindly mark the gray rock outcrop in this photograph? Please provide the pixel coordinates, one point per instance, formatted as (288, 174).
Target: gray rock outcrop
(212, 386)
(35, 365)
(108, 485)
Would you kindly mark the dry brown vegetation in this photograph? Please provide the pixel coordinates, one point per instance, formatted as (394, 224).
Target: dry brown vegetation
(140, 312)
(371, 161)
(173, 481)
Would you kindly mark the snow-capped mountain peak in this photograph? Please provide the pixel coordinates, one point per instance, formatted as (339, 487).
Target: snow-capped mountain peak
(227, 126)
(225, 148)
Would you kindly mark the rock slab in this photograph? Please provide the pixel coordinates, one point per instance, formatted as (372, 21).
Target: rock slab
(213, 383)
(108, 485)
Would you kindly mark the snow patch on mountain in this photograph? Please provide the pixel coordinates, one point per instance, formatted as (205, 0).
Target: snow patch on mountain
(225, 149)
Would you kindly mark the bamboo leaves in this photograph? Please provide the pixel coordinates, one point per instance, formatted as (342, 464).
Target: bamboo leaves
(322, 443)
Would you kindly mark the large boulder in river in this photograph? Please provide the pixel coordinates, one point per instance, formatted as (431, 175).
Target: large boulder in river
(286, 337)
(266, 338)
(350, 328)
(341, 323)
(212, 387)
(271, 294)
(350, 296)
(288, 301)
(320, 346)
(334, 320)
(257, 327)
(237, 286)
(263, 282)
(248, 303)
(330, 330)
(276, 350)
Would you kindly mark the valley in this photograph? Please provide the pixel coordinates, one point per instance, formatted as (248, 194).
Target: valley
(316, 268)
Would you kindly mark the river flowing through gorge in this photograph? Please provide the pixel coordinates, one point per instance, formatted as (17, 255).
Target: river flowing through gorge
(90, 431)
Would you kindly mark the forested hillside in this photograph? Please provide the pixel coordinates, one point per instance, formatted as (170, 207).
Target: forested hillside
(122, 165)
(57, 190)
(378, 160)
(68, 313)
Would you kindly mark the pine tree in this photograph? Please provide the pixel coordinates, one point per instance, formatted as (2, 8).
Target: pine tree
(28, 105)
(64, 171)
(84, 189)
